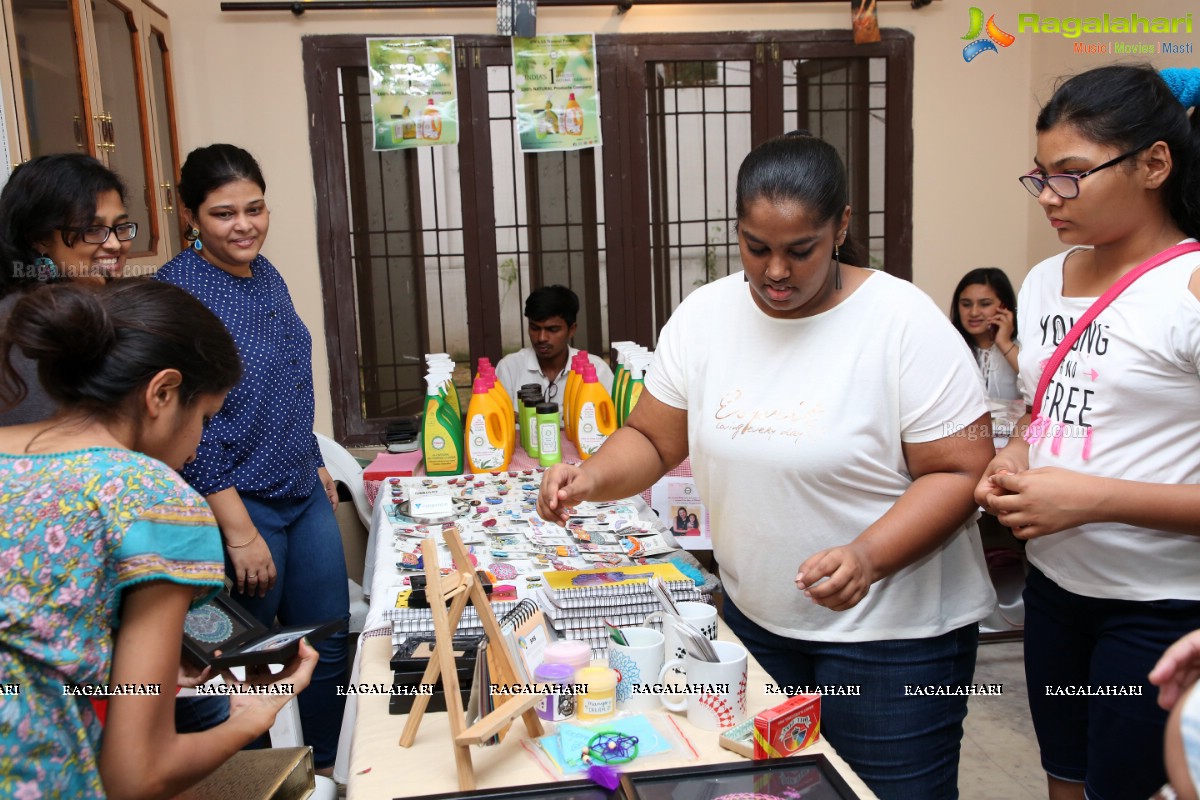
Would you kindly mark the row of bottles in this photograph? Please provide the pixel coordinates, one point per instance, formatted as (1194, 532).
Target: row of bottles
(428, 126)
(485, 440)
(629, 377)
(570, 122)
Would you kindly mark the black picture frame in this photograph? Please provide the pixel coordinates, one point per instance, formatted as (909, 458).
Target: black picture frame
(770, 776)
(563, 790)
(248, 641)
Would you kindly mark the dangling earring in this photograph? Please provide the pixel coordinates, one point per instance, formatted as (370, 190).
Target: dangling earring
(837, 262)
(193, 236)
(47, 270)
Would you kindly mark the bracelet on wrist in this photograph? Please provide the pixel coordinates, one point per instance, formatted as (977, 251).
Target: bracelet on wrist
(1009, 350)
(243, 544)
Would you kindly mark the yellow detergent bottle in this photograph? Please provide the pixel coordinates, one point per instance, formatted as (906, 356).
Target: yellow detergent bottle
(486, 444)
(572, 122)
(595, 418)
(574, 376)
(488, 373)
(431, 122)
(441, 442)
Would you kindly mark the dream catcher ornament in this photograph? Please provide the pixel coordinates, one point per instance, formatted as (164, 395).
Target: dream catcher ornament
(602, 751)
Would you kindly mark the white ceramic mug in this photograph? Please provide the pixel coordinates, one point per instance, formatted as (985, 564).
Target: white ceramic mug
(701, 616)
(638, 663)
(716, 691)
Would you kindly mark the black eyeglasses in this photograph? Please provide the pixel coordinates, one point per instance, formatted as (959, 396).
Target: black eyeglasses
(98, 234)
(551, 392)
(1067, 186)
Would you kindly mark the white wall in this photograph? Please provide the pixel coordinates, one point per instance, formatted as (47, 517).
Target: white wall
(239, 79)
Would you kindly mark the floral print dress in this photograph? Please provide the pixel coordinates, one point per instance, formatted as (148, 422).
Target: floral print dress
(76, 529)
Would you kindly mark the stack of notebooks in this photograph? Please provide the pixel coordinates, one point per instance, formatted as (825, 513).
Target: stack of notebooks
(577, 603)
(406, 620)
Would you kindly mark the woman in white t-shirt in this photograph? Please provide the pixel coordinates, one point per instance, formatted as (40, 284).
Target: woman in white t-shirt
(832, 421)
(984, 312)
(1104, 488)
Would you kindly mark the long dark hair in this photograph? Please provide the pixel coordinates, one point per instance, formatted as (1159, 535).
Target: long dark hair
(43, 196)
(1129, 106)
(207, 169)
(800, 168)
(95, 347)
(993, 277)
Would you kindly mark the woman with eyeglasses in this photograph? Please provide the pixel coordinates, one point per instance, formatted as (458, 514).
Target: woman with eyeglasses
(1102, 483)
(258, 464)
(62, 217)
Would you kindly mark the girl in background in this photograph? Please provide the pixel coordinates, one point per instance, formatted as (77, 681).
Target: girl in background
(984, 312)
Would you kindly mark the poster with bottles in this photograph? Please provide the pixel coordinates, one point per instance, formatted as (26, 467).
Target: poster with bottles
(413, 98)
(556, 94)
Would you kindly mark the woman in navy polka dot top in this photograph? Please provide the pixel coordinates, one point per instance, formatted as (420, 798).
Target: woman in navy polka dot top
(258, 464)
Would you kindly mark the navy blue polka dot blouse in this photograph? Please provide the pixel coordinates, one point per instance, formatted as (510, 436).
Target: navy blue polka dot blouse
(262, 441)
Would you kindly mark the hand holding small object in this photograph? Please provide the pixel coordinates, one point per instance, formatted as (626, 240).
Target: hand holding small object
(262, 708)
(1046, 500)
(837, 578)
(563, 487)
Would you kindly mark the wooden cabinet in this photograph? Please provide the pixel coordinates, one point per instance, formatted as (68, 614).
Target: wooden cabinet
(94, 76)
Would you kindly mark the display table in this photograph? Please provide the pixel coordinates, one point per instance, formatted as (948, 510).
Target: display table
(380, 768)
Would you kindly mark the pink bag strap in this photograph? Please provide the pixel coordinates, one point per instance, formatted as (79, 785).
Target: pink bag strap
(1102, 303)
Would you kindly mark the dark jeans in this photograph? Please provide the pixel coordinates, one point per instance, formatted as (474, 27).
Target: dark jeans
(310, 588)
(903, 746)
(1112, 743)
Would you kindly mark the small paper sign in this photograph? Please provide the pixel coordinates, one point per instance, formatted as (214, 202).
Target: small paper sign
(431, 504)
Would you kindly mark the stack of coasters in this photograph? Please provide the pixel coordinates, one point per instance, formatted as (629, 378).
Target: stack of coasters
(409, 663)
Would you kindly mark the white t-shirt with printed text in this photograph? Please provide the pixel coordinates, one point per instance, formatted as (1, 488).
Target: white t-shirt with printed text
(1124, 403)
(794, 431)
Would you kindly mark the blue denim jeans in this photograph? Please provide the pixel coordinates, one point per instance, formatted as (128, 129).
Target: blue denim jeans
(310, 588)
(1113, 743)
(902, 746)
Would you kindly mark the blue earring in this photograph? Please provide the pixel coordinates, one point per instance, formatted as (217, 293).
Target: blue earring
(47, 270)
(193, 236)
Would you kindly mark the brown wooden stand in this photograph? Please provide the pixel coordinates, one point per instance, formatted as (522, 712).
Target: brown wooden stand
(458, 587)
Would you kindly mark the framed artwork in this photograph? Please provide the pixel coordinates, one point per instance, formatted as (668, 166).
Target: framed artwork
(803, 777)
(222, 624)
(567, 790)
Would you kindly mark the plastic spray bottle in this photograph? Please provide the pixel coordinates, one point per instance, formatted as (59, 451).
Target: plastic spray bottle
(441, 440)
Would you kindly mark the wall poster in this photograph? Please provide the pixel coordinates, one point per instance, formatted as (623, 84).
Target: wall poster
(414, 101)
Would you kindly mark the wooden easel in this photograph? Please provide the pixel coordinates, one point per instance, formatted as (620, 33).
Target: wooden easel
(458, 587)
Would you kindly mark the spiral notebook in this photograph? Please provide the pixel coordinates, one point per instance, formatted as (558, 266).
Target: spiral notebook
(525, 637)
(580, 587)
